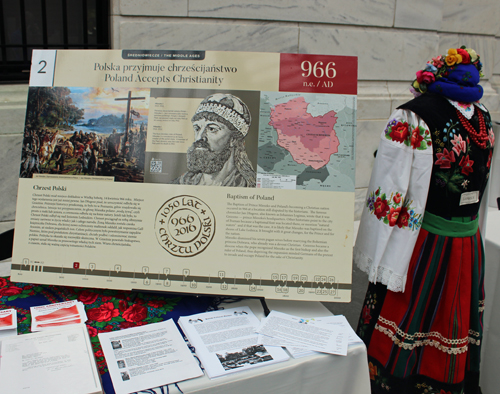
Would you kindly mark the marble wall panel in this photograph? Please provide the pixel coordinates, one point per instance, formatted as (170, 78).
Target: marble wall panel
(472, 16)
(374, 101)
(10, 160)
(367, 140)
(496, 61)
(204, 35)
(399, 92)
(490, 100)
(13, 108)
(423, 14)
(382, 54)
(359, 203)
(115, 7)
(485, 47)
(495, 84)
(154, 7)
(6, 226)
(353, 12)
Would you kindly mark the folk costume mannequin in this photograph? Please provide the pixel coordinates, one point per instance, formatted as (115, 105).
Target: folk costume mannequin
(419, 240)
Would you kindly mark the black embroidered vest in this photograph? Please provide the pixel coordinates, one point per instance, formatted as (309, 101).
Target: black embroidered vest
(460, 168)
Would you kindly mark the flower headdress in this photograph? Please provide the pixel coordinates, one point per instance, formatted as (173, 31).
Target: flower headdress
(456, 73)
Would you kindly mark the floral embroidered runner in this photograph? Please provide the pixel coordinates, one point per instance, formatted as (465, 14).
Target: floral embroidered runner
(107, 310)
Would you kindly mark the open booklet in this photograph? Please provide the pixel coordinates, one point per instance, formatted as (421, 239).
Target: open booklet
(55, 362)
(225, 341)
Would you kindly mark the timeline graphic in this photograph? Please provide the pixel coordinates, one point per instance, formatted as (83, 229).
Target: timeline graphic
(166, 280)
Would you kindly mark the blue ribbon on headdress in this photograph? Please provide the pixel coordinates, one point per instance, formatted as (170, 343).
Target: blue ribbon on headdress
(461, 84)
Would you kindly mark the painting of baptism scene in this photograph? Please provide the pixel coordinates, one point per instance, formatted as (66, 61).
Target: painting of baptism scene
(86, 132)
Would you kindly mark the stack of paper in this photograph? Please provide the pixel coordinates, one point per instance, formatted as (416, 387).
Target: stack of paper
(58, 361)
(301, 336)
(225, 341)
(54, 315)
(8, 322)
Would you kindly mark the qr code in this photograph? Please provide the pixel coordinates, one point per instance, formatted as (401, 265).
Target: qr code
(156, 166)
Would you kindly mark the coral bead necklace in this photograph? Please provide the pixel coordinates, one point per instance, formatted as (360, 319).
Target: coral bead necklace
(481, 138)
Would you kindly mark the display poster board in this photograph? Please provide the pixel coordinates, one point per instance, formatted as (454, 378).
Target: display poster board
(189, 171)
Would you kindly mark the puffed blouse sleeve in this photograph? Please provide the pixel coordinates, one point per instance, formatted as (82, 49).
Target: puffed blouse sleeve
(395, 202)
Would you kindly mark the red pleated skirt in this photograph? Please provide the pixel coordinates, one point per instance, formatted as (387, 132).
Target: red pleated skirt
(428, 339)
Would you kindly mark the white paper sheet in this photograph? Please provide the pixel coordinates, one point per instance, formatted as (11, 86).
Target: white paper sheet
(295, 351)
(341, 321)
(317, 337)
(148, 356)
(55, 362)
(226, 342)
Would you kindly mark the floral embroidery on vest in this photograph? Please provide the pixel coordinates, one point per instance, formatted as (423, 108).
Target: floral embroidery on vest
(453, 157)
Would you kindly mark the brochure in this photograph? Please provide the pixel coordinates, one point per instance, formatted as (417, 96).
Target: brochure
(225, 341)
(8, 322)
(46, 317)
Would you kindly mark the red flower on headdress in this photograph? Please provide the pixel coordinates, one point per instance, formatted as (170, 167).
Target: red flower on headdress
(399, 132)
(425, 77)
(437, 62)
(465, 55)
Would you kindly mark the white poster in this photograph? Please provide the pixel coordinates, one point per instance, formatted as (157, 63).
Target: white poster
(190, 171)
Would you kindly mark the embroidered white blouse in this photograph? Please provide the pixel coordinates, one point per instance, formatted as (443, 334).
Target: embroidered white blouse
(397, 194)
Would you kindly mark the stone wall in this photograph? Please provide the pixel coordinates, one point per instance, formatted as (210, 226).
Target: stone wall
(391, 38)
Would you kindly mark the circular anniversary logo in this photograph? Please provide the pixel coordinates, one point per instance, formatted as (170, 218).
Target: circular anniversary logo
(184, 226)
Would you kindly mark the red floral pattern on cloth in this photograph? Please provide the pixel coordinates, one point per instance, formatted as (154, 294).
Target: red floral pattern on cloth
(445, 159)
(399, 132)
(107, 310)
(452, 151)
(416, 137)
(393, 211)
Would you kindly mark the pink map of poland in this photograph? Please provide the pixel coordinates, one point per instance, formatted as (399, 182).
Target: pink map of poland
(311, 140)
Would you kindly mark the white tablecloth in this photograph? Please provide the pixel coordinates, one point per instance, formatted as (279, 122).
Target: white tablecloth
(321, 373)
